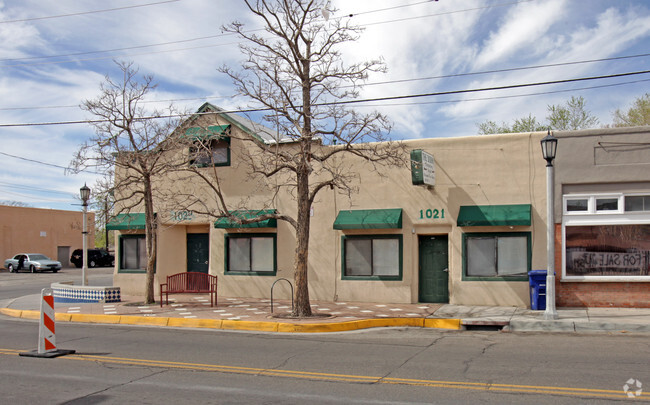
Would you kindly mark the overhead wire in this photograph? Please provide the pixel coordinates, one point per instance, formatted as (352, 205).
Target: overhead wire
(484, 72)
(226, 34)
(87, 12)
(44, 163)
(357, 101)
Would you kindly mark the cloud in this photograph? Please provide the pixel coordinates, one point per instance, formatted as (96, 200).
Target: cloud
(522, 30)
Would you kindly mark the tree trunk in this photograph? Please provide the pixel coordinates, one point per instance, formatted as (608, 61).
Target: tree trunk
(302, 307)
(151, 241)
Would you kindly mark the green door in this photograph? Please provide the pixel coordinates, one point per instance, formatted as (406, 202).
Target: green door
(434, 269)
(198, 252)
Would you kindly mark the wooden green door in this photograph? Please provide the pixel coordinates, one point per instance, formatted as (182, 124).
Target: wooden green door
(198, 252)
(434, 269)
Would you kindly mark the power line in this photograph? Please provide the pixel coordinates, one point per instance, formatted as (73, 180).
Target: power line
(87, 12)
(43, 163)
(31, 188)
(344, 102)
(541, 93)
(484, 72)
(511, 86)
(224, 34)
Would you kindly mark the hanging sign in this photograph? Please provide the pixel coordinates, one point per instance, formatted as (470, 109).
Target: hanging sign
(422, 168)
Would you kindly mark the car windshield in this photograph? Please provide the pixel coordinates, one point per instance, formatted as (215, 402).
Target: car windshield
(38, 257)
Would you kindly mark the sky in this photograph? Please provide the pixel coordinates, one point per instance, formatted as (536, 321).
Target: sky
(55, 54)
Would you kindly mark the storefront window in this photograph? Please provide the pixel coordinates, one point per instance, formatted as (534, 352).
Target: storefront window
(608, 250)
(250, 254)
(133, 253)
(500, 255)
(372, 257)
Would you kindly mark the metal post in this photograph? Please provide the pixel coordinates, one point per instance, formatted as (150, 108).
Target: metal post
(84, 261)
(550, 312)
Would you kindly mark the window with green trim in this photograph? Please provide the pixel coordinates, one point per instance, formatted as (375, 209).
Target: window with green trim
(496, 256)
(133, 253)
(211, 152)
(251, 254)
(372, 257)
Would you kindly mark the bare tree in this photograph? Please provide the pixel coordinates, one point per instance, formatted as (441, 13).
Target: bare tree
(294, 71)
(129, 142)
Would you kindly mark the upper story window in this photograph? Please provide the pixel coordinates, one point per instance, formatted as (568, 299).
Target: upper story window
(212, 152)
(211, 145)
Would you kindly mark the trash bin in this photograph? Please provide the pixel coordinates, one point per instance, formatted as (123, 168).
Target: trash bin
(537, 282)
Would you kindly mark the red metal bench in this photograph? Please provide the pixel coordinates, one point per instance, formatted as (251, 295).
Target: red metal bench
(189, 283)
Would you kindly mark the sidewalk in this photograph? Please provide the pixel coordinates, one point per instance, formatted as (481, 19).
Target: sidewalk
(255, 315)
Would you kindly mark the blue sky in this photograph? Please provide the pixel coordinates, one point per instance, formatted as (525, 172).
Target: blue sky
(55, 54)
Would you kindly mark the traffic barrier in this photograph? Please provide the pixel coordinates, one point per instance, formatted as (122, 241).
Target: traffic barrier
(47, 329)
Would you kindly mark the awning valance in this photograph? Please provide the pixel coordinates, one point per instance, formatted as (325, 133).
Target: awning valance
(211, 132)
(126, 221)
(248, 214)
(494, 215)
(369, 219)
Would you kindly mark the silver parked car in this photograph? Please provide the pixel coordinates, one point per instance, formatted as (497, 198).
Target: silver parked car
(32, 262)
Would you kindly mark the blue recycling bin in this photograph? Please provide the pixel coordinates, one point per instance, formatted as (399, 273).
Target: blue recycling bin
(537, 282)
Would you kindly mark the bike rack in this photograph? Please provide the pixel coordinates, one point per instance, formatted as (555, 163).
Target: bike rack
(273, 285)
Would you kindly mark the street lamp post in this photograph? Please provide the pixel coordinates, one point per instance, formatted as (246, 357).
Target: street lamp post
(85, 195)
(549, 148)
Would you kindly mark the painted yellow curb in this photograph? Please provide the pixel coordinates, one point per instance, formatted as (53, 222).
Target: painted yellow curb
(194, 323)
(142, 320)
(16, 313)
(249, 325)
(25, 314)
(260, 326)
(95, 318)
(443, 323)
(62, 317)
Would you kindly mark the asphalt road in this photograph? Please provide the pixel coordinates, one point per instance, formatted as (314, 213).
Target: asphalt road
(14, 285)
(120, 364)
(142, 365)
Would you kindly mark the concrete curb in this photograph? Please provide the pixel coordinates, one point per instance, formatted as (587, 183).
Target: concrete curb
(283, 327)
(576, 326)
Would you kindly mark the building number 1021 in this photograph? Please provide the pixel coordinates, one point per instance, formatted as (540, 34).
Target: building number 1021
(432, 214)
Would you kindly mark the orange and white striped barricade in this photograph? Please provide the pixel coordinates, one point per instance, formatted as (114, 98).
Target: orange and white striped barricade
(47, 329)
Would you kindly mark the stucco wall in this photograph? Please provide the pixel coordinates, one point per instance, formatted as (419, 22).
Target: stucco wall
(476, 170)
(34, 230)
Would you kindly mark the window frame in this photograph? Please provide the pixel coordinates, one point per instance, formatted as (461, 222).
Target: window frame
(121, 239)
(601, 218)
(592, 203)
(529, 255)
(195, 150)
(249, 236)
(400, 240)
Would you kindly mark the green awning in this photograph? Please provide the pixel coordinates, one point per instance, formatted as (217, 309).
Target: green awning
(211, 132)
(247, 214)
(126, 221)
(369, 219)
(494, 215)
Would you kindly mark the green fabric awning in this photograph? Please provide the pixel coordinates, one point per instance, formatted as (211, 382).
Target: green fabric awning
(248, 214)
(494, 215)
(369, 219)
(126, 221)
(211, 132)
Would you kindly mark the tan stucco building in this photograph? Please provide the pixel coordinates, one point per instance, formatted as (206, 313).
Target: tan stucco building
(470, 238)
(54, 233)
